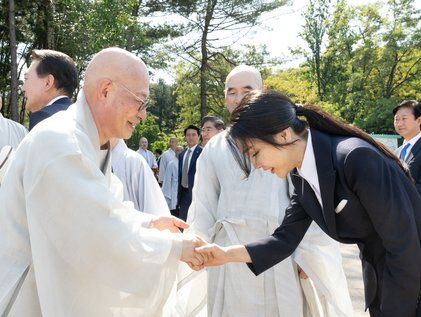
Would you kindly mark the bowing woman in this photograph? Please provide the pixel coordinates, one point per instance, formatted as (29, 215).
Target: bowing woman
(354, 188)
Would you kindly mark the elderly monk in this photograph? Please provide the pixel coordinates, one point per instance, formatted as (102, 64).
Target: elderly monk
(69, 245)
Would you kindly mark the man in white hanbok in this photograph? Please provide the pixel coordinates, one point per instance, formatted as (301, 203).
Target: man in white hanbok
(139, 183)
(170, 184)
(147, 155)
(166, 158)
(229, 209)
(69, 246)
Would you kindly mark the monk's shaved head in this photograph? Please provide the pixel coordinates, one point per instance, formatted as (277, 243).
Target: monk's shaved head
(116, 88)
(116, 64)
(241, 80)
(252, 74)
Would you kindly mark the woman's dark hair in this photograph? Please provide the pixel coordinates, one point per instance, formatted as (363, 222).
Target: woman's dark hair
(261, 115)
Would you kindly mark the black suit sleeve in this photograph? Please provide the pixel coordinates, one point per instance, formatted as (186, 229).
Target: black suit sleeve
(391, 202)
(415, 169)
(268, 252)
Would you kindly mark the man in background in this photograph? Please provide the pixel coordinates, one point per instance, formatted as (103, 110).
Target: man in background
(187, 169)
(147, 155)
(167, 157)
(211, 126)
(170, 184)
(407, 121)
(50, 82)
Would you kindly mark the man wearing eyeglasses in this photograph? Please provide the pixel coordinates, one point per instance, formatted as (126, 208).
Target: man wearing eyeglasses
(69, 245)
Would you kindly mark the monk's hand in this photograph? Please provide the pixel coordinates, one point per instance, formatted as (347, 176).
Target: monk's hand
(171, 223)
(216, 255)
(189, 255)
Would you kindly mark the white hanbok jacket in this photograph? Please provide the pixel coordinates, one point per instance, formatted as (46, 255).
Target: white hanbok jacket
(139, 183)
(68, 246)
(228, 209)
(166, 158)
(11, 132)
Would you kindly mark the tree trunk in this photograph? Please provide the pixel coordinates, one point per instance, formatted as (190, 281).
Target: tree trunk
(204, 63)
(13, 66)
(49, 17)
(135, 14)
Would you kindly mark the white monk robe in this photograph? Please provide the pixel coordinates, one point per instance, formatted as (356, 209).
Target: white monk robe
(77, 250)
(11, 132)
(149, 157)
(170, 184)
(166, 158)
(139, 183)
(228, 209)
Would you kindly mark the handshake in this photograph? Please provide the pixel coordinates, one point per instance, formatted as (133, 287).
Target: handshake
(196, 252)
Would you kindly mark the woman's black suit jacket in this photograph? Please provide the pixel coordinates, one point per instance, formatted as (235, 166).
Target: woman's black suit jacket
(381, 213)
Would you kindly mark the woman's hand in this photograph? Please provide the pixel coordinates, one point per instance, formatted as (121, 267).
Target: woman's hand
(217, 255)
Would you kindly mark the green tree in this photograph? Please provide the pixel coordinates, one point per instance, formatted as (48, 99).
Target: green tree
(211, 19)
(314, 30)
(148, 129)
(187, 85)
(293, 83)
(80, 28)
(164, 106)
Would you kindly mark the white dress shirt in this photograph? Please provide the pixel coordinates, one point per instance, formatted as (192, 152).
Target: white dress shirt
(308, 169)
(411, 144)
(191, 154)
(55, 99)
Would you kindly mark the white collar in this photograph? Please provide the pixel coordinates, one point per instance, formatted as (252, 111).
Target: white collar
(192, 148)
(308, 169)
(55, 99)
(414, 139)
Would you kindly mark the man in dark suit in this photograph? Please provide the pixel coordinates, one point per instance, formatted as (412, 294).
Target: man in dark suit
(49, 84)
(407, 121)
(187, 170)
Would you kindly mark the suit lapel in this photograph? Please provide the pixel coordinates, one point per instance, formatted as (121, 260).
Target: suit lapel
(322, 148)
(194, 157)
(308, 199)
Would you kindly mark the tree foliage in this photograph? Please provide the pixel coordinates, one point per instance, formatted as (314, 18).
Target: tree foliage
(366, 60)
(212, 20)
(187, 85)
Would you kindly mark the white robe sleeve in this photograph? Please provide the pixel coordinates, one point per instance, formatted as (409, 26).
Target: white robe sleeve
(94, 232)
(167, 187)
(206, 190)
(150, 198)
(165, 159)
(153, 162)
